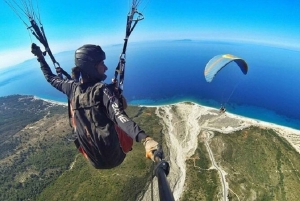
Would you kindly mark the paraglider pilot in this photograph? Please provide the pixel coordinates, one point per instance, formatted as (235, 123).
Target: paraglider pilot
(104, 131)
(222, 109)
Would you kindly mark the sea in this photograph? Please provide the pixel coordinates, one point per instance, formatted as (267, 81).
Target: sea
(168, 72)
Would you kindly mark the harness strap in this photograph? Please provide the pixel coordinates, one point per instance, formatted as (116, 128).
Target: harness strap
(120, 69)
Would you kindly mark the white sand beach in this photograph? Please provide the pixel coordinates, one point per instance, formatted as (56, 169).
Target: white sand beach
(185, 122)
(51, 101)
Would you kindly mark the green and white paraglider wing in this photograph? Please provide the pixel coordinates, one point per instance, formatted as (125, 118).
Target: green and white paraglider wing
(217, 63)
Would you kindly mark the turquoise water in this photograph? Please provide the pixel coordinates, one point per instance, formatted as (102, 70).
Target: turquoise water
(165, 72)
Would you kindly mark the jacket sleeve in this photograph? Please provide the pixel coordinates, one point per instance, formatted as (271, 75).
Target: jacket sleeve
(64, 86)
(116, 113)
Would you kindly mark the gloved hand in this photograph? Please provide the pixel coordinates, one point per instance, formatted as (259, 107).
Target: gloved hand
(36, 50)
(58, 69)
(150, 146)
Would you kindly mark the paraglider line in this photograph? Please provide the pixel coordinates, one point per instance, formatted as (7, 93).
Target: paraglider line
(232, 92)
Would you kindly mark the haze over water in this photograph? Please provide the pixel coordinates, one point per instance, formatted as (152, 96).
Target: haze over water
(165, 72)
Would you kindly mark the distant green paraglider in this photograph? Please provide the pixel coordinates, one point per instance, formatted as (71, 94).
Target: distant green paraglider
(218, 62)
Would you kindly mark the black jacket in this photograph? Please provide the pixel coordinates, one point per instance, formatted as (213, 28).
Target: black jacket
(101, 146)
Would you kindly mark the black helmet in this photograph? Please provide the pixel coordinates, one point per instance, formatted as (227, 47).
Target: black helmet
(86, 57)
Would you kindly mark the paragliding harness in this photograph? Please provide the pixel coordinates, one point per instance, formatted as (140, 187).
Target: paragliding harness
(84, 101)
(90, 110)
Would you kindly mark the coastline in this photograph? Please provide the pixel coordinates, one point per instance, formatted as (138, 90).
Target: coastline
(226, 118)
(248, 112)
(186, 123)
(51, 101)
(290, 134)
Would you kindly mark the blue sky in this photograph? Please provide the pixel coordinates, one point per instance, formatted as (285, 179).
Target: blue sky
(70, 24)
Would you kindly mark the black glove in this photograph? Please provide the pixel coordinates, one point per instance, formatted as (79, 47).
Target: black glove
(36, 50)
(59, 70)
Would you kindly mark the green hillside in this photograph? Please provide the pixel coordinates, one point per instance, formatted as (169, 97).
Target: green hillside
(38, 165)
(259, 164)
(39, 161)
